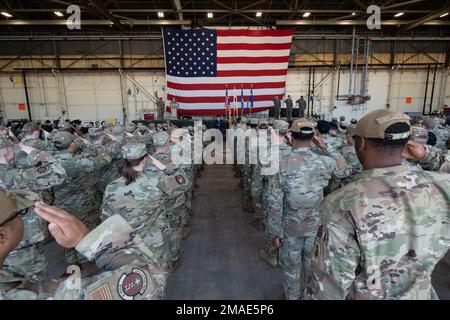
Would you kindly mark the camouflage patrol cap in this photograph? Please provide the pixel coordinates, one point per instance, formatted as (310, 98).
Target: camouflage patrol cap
(374, 125)
(419, 134)
(8, 207)
(130, 128)
(117, 130)
(254, 121)
(63, 139)
(64, 126)
(133, 151)
(5, 142)
(263, 124)
(160, 139)
(281, 125)
(30, 127)
(94, 132)
(298, 124)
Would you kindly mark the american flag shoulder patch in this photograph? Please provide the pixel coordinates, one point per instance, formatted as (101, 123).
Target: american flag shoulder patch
(101, 293)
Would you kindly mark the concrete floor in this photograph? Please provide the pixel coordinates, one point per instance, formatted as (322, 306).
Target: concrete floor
(220, 257)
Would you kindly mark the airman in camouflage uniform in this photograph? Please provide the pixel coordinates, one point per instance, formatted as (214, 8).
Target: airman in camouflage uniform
(100, 178)
(139, 201)
(247, 169)
(121, 256)
(261, 184)
(76, 195)
(177, 213)
(382, 235)
(293, 202)
(42, 172)
(333, 142)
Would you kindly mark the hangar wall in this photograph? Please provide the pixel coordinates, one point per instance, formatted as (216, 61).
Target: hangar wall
(99, 95)
(87, 84)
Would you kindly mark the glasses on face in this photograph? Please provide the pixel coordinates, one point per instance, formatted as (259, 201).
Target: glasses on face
(11, 218)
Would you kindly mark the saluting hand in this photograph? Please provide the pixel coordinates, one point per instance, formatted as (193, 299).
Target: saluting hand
(67, 230)
(414, 151)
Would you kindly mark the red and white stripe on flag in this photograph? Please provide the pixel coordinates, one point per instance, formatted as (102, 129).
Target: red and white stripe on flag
(255, 59)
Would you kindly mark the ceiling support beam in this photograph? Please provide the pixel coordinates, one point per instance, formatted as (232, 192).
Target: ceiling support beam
(177, 5)
(425, 19)
(104, 12)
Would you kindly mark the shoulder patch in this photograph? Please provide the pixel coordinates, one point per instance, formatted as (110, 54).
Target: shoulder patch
(180, 179)
(41, 169)
(101, 293)
(132, 284)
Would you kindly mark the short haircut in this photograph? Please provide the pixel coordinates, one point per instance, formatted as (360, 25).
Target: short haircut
(300, 136)
(387, 144)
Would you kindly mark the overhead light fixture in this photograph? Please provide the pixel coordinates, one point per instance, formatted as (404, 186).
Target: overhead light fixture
(6, 14)
(443, 15)
(306, 14)
(210, 15)
(259, 14)
(59, 14)
(160, 14)
(353, 13)
(399, 14)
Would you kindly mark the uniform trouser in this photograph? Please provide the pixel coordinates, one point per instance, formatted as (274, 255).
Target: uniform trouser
(259, 213)
(295, 261)
(269, 248)
(301, 114)
(289, 114)
(174, 233)
(160, 113)
(31, 260)
(277, 112)
(247, 181)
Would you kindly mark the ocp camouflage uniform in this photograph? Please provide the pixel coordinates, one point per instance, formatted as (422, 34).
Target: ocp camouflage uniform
(174, 189)
(76, 195)
(43, 173)
(140, 204)
(435, 160)
(333, 143)
(382, 235)
(261, 185)
(177, 212)
(293, 202)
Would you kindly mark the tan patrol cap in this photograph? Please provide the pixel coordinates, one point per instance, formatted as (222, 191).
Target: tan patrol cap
(302, 123)
(8, 206)
(374, 125)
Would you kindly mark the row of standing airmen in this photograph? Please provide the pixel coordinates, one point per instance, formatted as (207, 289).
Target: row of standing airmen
(118, 182)
(384, 222)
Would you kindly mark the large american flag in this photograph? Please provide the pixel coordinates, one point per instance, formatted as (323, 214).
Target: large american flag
(202, 63)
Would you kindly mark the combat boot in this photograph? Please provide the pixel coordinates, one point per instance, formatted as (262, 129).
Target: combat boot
(186, 231)
(248, 207)
(174, 265)
(271, 261)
